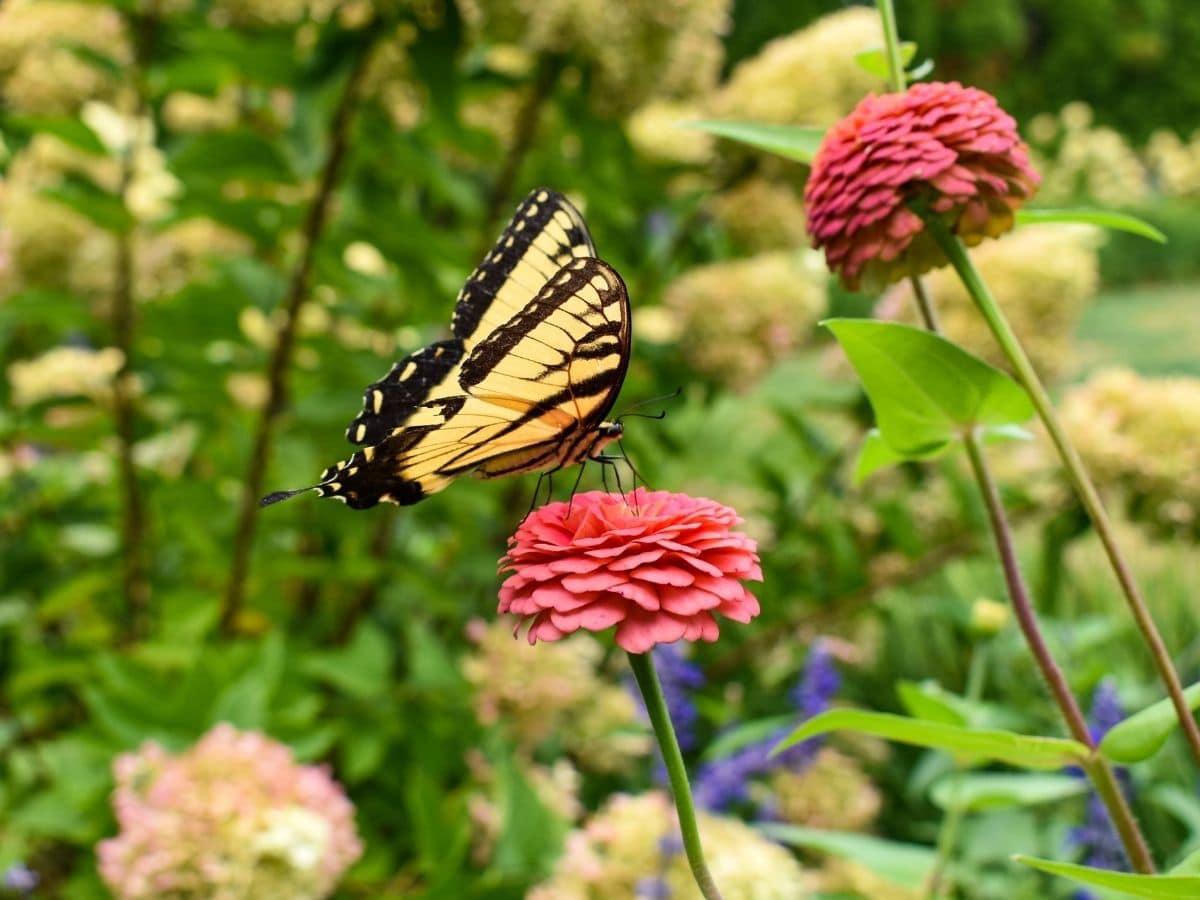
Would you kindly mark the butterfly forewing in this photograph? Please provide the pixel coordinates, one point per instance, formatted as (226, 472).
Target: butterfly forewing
(545, 233)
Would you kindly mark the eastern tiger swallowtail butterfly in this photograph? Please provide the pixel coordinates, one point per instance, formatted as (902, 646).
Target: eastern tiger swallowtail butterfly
(539, 352)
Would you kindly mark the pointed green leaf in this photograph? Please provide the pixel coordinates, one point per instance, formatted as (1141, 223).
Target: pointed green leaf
(875, 61)
(907, 865)
(89, 199)
(1143, 734)
(1158, 887)
(744, 734)
(790, 141)
(997, 790)
(925, 390)
(930, 701)
(67, 129)
(875, 453)
(1189, 865)
(975, 743)
(1102, 217)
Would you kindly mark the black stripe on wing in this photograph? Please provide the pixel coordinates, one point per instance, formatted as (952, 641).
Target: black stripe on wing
(392, 399)
(605, 325)
(542, 212)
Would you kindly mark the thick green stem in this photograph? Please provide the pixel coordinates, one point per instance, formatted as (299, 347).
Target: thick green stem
(1078, 475)
(891, 43)
(660, 718)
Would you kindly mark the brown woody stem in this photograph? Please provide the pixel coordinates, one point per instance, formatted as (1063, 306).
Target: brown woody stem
(1076, 472)
(281, 354)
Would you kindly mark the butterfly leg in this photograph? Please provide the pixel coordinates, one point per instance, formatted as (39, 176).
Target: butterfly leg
(537, 490)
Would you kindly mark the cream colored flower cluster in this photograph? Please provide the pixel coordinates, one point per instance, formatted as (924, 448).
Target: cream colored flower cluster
(52, 246)
(258, 13)
(628, 844)
(1079, 159)
(637, 49)
(1175, 164)
(1141, 434)
(657, 132)
(809, 77)
(734, 319)
(40, 71)
(833, 792)
(761, 213)
(64, 372)
(554, 690)
(1043, 276)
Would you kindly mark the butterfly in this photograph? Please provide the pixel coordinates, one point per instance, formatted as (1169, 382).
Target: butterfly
(540, 346)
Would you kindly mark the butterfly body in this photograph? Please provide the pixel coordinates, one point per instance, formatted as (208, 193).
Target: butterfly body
(541, 341)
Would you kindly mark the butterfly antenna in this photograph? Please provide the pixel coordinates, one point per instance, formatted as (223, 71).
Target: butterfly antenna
(662, 414)
(283, 495)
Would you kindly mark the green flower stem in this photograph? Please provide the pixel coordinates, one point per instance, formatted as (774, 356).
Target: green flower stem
(660, 718)
(891, 43)
(1078, 475)
(1098, 768)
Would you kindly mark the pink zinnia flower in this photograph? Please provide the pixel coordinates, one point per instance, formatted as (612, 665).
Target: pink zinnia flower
(949, 148)
(655, 564)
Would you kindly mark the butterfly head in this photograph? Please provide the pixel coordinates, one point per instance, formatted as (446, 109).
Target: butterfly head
(606, 433)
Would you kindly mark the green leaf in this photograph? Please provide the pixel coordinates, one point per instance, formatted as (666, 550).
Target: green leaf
(997, 790)
(67, 129)
(929, 700)
(790, 141)
(744, 734)
(907, 865)
(361, 669)
(875, 61)
(1161, 887)
(1143, 734)
(1026, 751)
(246, 701)
(1189, 865)
(926, 391)
(1102, 217)
(92, 201)
(875, 453)
(229, 155)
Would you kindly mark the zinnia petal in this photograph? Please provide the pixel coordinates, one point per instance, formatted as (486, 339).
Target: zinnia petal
(656, 565)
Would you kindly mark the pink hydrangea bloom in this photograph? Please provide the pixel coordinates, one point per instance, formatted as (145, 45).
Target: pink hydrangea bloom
(950, 148)
(235, 816)
(656, 565)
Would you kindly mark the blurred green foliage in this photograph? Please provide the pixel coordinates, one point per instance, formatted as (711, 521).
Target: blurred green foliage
(351, 644)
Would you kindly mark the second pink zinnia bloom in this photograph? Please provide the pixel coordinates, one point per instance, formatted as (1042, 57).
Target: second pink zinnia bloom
(654, 564)
(947, 149)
